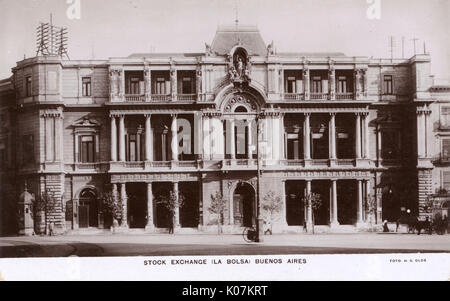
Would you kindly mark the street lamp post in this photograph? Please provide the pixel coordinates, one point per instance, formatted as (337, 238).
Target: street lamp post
(259, 221)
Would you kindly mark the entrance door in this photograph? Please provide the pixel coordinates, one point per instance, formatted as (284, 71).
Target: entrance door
(88, 209)
(83, 216)
(243, 201)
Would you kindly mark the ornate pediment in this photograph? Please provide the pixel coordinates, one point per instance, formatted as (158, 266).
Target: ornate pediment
(86, 122)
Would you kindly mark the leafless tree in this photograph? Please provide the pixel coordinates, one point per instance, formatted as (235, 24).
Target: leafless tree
(271, 204)
(217, 206)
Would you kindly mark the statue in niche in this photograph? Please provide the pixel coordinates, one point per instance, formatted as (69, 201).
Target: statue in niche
(239, 67)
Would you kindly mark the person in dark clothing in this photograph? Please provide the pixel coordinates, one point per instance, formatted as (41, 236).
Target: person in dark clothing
(385, 226)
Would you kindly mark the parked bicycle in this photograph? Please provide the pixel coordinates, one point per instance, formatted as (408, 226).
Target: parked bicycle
(249, 234)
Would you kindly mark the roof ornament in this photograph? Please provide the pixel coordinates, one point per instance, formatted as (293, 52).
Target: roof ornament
(270, 49)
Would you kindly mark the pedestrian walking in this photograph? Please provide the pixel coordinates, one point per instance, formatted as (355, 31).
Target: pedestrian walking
(385, 226)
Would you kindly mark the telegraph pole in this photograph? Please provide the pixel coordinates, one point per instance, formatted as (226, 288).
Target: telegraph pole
(414, 44)
(259, 221)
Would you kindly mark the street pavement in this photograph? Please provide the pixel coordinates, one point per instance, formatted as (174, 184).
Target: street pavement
(205, 244)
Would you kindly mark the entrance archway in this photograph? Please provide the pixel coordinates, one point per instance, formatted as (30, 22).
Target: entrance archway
(244, 205)
(88, 209)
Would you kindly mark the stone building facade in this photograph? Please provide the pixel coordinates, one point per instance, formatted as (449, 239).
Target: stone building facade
(371, 136)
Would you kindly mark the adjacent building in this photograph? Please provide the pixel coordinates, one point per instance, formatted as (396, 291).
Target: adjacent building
(370, 136)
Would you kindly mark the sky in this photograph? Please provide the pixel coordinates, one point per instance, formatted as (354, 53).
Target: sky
(115, 28)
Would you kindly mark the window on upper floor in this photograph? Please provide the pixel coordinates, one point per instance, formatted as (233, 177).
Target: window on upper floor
(135, 144)
(28, 86)
(316, 84)
(186, 86)
(27, 149)
(134, 85)
(86, 148)
(390, 144)
(291, 85)
(342, 84)
(445, 117)
(446, 180)
(388, 85)
(445, 151)
(160, 86)
(86, 84)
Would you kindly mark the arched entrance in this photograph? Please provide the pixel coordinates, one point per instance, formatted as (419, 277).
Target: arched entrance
(88, 209)
(244, 205)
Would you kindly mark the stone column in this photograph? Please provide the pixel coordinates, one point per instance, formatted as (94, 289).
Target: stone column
(173, 82)
(177, 208)
(123, 196)
(306, 82)
(420, 134)
(307, 137)
(148, 139)
(206, 138)
(150, 222)
(249, 140)
(174, 143)
(358, 136)
(148, 84)
(122, 84)
(334, 208)
(281, 76)
(366, 137)
(122, 138)
(332, 74)
(360, 214)
(49, 138)
(333, 136)
(309, 220)
(59, 137)
(113, 139)
(365, 83)
(428, 133)
(357, 79)
(232, 140)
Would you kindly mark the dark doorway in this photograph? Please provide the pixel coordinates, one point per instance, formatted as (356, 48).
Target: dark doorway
(189, 212)
(161, 190)
(137, 204)
(322, 215)
(390, 204)
(319, 136)
(295, 207)
(88, 209)
(347, 195)
(345, 136)
(243, 203)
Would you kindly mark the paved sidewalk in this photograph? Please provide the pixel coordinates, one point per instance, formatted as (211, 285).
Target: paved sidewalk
(194, 244)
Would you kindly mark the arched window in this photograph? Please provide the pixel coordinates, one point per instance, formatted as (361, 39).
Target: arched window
(240, 109)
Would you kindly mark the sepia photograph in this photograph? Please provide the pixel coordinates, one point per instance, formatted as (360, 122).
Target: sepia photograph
(261, 140)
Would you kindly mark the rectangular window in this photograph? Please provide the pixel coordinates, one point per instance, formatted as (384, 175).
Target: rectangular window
(27, 149)
(87, 149)
(28, 86)
(446, 180)
(445, 117)
(316, 84)
(134, 85)
(388, 85)
(445, 154)
(390, 144)
(342, 84)
(186, 87)
(86, 84)
(291, 85)
(160, 87)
